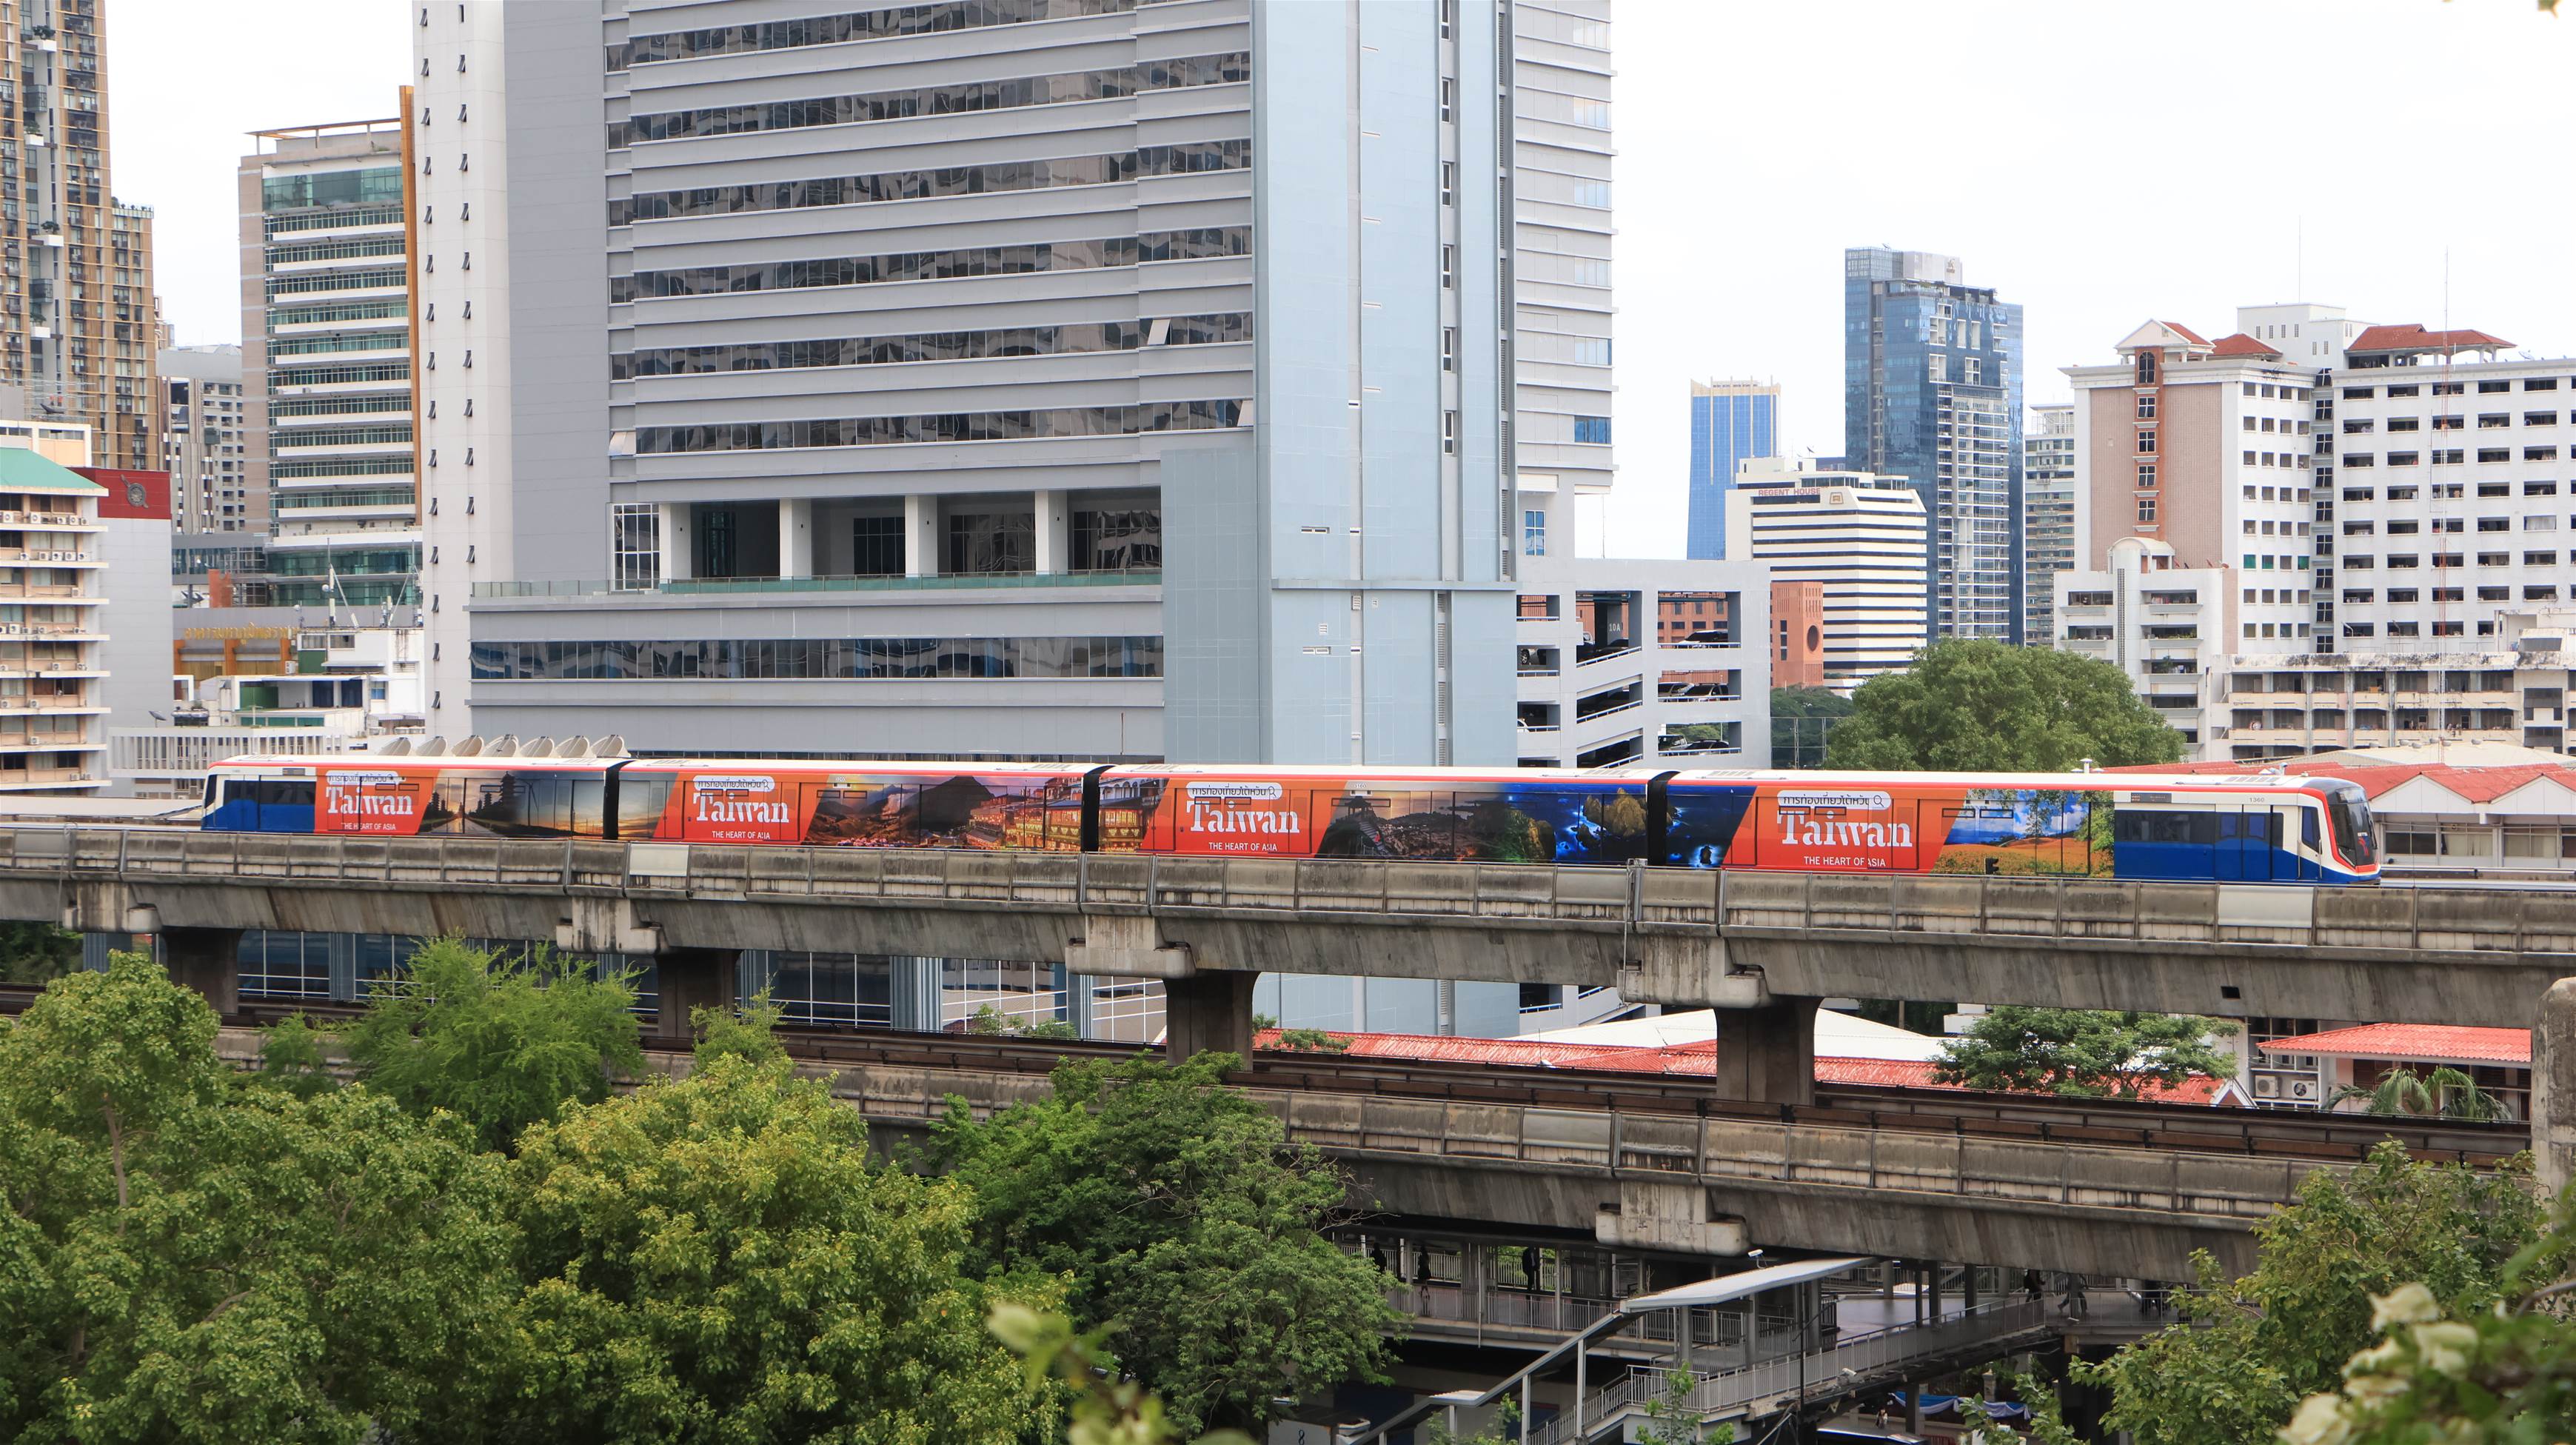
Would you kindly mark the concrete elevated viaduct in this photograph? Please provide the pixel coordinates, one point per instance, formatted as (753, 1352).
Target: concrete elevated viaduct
(1731, 940)
(1654, 1166)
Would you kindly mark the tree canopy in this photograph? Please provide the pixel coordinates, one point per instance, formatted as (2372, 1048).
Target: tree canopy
(189, 1255)
(2081, 1053)
(1176, 1209)
(716, 1259)
(1801, 719)
(2247, 1352)
(501, 1040)
(1971, 705)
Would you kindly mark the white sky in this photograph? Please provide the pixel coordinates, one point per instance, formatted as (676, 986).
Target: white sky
(2098, 161)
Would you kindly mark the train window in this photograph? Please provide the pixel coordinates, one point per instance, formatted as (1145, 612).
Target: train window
(286, 793)
(2350, 815)
(2308, 829)
(2132, 826)
(2252, 827)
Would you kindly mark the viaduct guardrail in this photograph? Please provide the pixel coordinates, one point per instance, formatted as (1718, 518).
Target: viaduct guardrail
(2096, 1188)
(1732, 939)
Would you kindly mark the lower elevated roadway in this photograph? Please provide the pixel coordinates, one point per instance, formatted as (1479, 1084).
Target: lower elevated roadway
(2091, 1188)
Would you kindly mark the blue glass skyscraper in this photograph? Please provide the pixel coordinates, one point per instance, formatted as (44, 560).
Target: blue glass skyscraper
(1932, 393)
(1730, 421)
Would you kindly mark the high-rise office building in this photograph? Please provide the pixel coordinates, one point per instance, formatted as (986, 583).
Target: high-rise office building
(202, 438)
(1732, 422)
(1932, 393)
(1860, 536)
(326, 307)
(2047, 516)
(919, 380)
(78, 327)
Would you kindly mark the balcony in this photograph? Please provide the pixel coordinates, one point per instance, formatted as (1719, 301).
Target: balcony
(1588, 653)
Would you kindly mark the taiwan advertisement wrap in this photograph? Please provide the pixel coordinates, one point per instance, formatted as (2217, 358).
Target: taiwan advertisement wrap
(1028, 811)
(1324, 816)
(1891, 829)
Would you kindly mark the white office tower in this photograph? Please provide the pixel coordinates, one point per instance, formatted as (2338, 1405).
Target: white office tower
(1860, 535)
(1007, 378)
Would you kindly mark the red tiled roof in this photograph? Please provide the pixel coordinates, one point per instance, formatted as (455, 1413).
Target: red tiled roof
(2427, 1042)
(2413, 337)
(2185, 332)
(2241, 344)
(2476, 784)
(1697, 1058)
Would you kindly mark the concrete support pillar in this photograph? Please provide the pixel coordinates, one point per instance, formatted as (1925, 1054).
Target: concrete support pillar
(341, 950)
(691, 979)
(207, 960)
(796, 537)
(920, 535)
(1914, 1408)
(915, 990)
(678, 549)
(2553, 1087)
(1206, 1011)
(1078, 1000)
(1054, 514)
(1768, 1053)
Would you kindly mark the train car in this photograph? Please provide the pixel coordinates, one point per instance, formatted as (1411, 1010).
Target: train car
(1032, 807)
(2270, 828)
(409, 796)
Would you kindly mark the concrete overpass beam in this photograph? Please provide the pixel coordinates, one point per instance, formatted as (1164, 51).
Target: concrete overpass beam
(1692, 971)
(1203, 1011)
(1663, 1214)
(606, 925)
(694, 978)
(2553, 1086)
(205, 959)
(1127, 945)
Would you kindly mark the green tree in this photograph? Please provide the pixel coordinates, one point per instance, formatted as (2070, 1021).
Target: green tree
(715, 1259)
(2247, 1352)
(751, 1033)
(1108, 1408)
(37, 952)
(2500, 1376)
(1176, 1210)
(1974, 706)
(501, 1041)
(189, 1257)
(1801, 719)
(2081, 1053)
(2446, 1092)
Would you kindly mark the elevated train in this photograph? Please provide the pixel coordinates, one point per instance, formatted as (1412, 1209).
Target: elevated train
(2273, 828)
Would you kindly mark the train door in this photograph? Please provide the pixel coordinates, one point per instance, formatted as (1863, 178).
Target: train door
(2312, 842)
(285, 805)
(2248, 842)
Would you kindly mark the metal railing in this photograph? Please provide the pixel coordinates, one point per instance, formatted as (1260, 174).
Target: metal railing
(1831, 1371)
(723, 586)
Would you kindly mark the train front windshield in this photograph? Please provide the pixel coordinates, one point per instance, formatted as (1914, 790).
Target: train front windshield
(2349, 810)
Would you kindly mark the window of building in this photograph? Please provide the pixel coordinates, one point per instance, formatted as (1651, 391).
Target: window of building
(2146, 474)
(2146, 368)
(2146, 510)
(2540, 383)
(876, 546)
(635, 546)
(2540, 489)
(992, 543)
(1590, 429)
(2146, 406)
(1533, 533)
(1116, 538)
(2533, 454)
